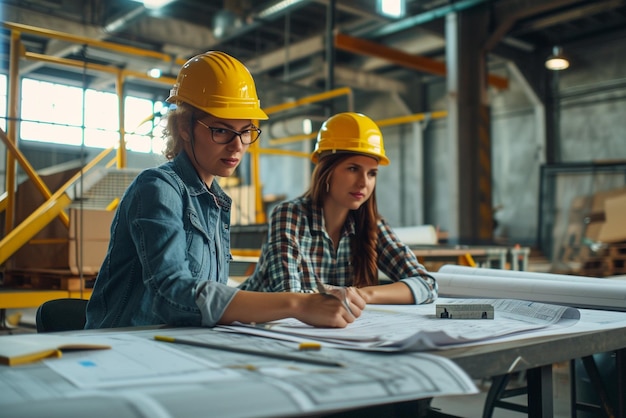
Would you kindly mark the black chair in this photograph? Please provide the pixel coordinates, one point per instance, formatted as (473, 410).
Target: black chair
(67, 314)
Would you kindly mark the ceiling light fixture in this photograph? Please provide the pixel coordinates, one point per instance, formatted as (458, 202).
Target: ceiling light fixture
(154, 72)
(557, 61)
(154, 4)
(392, 8)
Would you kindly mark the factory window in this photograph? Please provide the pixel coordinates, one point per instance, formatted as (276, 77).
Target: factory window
(53, 113)
(141, 122)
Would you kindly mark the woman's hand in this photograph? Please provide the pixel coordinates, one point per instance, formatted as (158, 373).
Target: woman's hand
(337, 308)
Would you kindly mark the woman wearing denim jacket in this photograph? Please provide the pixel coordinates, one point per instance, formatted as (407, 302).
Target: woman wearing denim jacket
(169, 250)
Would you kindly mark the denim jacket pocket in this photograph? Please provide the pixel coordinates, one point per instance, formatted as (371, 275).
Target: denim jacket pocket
(198, 245)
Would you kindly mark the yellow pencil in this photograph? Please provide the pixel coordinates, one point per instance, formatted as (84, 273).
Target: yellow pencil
(242, 350)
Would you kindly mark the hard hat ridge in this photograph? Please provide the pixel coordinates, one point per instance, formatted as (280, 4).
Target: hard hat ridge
(218, 84)
(350, 132)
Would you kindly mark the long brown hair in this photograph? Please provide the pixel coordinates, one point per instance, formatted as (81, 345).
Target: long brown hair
(363, 246)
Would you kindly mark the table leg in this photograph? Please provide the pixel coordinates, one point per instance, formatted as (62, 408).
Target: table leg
(539, 382)
(3, 319)
(620, 364)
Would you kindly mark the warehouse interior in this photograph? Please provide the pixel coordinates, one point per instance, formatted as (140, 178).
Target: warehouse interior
(488, 146)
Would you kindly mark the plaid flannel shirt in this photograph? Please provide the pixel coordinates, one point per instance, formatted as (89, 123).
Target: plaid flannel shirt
(298, 250)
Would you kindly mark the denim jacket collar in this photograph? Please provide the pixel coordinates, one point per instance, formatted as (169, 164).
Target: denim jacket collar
(187, 172)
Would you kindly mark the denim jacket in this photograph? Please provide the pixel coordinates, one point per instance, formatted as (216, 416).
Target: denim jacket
(169, 253)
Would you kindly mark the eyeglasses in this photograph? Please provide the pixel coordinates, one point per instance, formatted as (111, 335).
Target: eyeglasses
(226, 135)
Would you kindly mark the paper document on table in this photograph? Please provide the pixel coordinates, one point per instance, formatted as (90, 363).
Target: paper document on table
(133, 361)
(148, 378)
(416, 327)
(591, 320)
(580, 292)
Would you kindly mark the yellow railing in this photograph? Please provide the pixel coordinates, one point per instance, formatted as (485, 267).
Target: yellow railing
(56, 202)
(44, 214)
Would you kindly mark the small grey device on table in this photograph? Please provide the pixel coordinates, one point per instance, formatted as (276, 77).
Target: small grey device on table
(464, 311)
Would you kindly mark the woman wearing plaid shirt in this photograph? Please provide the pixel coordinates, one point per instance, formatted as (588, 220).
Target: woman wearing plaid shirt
(334, 232)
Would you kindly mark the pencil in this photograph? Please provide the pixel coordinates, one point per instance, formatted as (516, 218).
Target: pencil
(242, 350)
(321, 288)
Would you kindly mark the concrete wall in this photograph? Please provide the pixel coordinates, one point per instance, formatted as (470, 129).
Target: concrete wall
(592, 123)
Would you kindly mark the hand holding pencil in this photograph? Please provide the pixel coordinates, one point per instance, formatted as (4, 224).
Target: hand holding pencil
(340, 293)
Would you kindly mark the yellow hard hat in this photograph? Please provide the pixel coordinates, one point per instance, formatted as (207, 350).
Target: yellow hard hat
(350, 132)
(218, 84)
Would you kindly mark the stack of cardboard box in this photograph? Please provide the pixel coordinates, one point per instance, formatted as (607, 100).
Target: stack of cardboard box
(599, 249)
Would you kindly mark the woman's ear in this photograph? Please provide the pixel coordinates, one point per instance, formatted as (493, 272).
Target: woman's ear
(185, 135)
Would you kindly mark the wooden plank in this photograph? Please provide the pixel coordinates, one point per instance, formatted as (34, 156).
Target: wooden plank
(16, 298)
(47, 279)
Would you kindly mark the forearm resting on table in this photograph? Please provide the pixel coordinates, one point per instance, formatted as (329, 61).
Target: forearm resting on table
(393, 294)
(249, 307)
(311, 308)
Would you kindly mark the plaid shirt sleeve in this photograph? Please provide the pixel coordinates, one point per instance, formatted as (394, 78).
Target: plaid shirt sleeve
(399, 263)
(286, 264)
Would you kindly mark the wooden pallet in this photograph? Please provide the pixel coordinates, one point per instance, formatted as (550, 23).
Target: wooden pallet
(47, 280)
(617, 251)
(597, 267)
(606, 261)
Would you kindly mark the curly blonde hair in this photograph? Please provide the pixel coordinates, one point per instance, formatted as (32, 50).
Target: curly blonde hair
(179, 120)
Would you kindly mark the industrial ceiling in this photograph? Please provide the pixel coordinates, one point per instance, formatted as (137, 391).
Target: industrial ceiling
(287, 48)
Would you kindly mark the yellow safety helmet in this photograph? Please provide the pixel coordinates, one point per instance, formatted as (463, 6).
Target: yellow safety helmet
(350, 132)
(218, 84)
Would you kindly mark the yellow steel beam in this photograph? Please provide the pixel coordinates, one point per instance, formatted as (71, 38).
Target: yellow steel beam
(46, 241)
(35, 222)
(3, 201)
(428, 65)
(466, 260)
(43, 215)
(343, 91)
(96, 67)
(272, 151)
(293, 138)
(416, 117)
(32, 298)
(82, 40)
(30, 171)
(13, 113)
(113, 205)
(252, 254)
(91, 164)
(365, 47)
